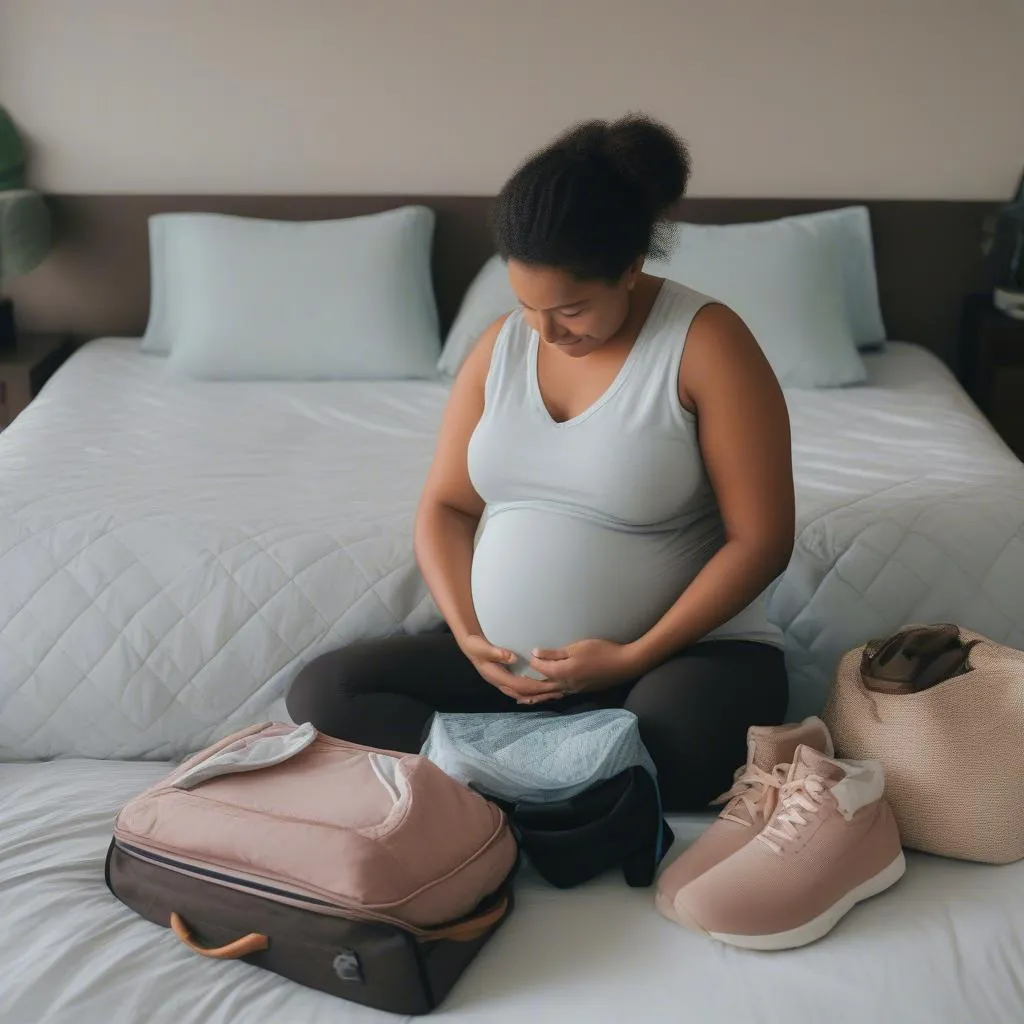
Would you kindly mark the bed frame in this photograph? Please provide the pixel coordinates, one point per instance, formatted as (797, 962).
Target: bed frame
(96, 282)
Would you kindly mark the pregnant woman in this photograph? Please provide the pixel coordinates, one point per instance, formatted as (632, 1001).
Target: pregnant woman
(611, 493)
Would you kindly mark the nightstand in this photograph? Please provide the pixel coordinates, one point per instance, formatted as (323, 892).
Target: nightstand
(25, 369)
(992, 366)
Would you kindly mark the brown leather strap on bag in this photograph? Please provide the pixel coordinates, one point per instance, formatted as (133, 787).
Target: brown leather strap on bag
(472, 929)
(914, 659)
(252, 943)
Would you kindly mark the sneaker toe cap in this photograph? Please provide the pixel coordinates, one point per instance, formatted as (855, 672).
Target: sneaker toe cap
(675, 911)
(716, 844)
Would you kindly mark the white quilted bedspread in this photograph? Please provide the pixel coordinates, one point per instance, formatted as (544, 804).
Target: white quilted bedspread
(172, 551)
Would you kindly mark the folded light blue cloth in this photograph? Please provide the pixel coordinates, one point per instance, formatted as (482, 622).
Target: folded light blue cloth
(536, 756)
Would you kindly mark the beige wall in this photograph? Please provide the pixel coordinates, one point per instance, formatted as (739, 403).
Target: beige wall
(870, 98)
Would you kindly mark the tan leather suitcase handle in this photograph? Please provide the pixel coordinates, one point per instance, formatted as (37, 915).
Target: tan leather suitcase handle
(252, 943)
(468, 931)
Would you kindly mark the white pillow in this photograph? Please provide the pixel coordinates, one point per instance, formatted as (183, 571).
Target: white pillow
(157, 338)
(488, 297)
(785, 284)
(845, 233)
(245, 298)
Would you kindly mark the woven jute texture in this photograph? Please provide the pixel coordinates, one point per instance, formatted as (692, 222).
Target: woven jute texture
(953, 754)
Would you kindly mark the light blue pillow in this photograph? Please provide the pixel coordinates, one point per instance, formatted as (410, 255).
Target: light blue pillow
(786, 285)
(847, 231)
(488, 297)
(245, 298)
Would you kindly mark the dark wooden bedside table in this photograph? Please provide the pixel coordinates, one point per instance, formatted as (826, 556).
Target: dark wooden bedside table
(25, 369)
(992, 366)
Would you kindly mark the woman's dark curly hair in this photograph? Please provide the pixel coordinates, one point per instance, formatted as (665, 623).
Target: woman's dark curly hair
(595, 199)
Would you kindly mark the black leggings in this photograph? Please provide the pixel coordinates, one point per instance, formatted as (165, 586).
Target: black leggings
(693, 710)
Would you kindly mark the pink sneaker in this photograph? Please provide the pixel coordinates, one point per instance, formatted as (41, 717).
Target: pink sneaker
(831, 843)
(748, 805)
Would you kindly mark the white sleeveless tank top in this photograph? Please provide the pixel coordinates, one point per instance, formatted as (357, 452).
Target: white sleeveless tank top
(593, 527)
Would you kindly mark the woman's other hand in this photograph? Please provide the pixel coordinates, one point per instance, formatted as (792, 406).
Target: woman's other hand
(587, 665)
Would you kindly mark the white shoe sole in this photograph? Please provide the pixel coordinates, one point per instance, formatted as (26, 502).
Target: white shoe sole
(825, 922)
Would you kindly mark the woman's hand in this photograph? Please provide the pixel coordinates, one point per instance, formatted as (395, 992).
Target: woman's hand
(587, 665)
(490, 662)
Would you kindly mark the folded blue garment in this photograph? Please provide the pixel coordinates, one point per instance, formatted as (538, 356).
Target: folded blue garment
(538, 757)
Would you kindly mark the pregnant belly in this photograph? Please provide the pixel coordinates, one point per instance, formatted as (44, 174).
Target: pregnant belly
(546, 579)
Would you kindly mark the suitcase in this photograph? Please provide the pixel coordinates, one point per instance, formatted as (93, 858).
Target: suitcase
(367, 874)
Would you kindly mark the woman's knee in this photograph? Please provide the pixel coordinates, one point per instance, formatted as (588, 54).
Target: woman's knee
(326, 681)
(694, 712)
(695, 754)
(374, 674)
(355, 693)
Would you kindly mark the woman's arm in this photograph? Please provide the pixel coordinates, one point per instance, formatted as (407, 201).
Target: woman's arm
(446, 523)
(450, 509)
(743, 429)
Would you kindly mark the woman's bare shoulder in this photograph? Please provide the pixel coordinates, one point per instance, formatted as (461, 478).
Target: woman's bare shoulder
(719, 347)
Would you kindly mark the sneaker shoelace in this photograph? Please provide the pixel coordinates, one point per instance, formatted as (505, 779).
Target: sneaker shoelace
(797, 799)
(755, 791)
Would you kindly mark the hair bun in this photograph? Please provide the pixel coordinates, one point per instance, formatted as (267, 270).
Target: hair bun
(595, 199)
(651, 156)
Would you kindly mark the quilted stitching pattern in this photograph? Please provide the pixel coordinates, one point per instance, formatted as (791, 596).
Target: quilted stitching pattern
(146, 613)
(910, 510)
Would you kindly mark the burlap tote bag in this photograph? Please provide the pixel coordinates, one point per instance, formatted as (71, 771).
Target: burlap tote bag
(942, 708)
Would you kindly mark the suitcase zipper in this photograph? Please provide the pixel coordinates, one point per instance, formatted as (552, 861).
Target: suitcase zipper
(220, 876)
(263, 889)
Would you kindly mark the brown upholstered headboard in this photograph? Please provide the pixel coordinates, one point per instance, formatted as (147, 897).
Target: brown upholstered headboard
(97, 280)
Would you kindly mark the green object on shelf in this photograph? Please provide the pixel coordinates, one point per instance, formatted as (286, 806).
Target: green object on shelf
(12, 155)
(25, 233)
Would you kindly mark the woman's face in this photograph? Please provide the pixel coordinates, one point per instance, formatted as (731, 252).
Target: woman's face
(577, 316)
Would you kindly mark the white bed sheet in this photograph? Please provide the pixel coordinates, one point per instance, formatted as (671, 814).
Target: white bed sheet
(945, 946)
(172, 551)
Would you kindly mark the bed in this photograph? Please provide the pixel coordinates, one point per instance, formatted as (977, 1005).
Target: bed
(172, 551)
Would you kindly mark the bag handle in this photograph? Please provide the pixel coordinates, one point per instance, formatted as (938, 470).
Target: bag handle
(252, 943)
(469, 931)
